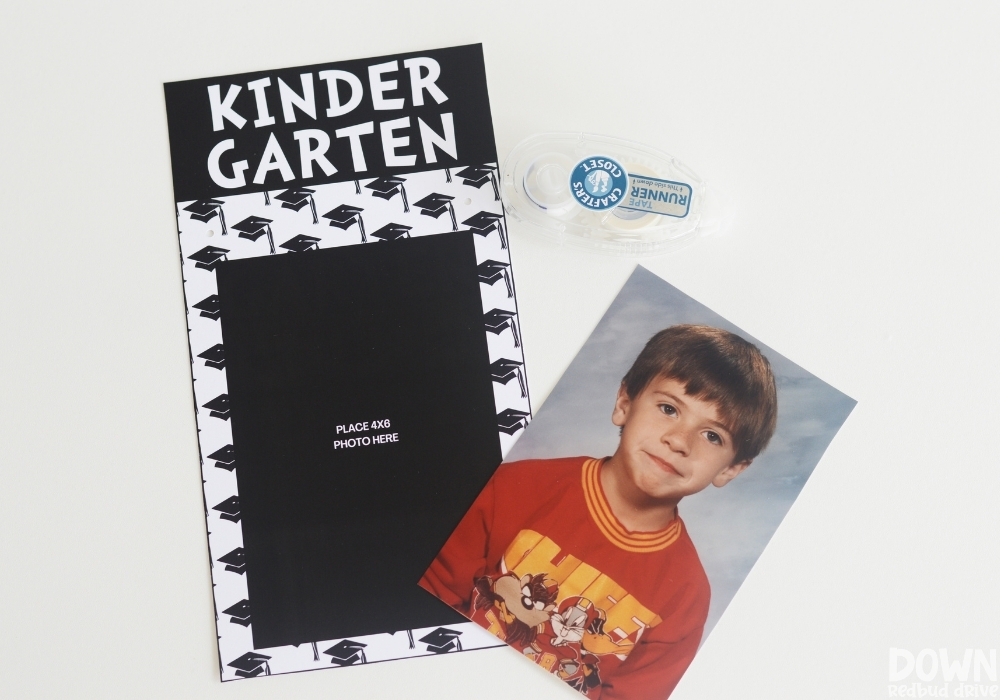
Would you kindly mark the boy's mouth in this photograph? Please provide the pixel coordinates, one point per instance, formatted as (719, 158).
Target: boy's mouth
(663, 464)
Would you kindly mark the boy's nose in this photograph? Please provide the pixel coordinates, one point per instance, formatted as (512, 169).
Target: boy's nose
(677, 440)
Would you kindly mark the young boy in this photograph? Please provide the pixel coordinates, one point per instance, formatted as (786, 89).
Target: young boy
(583, 564)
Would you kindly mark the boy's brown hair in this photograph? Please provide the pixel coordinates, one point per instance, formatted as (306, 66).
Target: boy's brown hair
(718, 366)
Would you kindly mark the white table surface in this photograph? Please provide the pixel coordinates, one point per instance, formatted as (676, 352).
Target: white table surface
(858, 145)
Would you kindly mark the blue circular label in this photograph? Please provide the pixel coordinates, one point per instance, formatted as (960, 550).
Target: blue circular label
(598, 183)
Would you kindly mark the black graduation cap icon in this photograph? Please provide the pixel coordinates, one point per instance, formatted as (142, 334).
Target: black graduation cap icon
(253, 227)
(206, 210)
(490, 271)
(498, 320)
(251, 664)
(434, 205)
(479, 175)
(225, 457)
(209, 307)
(301, 243)
(214, 357)
(218, 407)
(347, 652)
(229, 509)
(298, 198)
(501, 371)
(208, 257)
(392, 232)
(442, 640)
(240, 613)
(235, 561)
(484, 222)
(345, 216)
(510, 420)
(389, 187)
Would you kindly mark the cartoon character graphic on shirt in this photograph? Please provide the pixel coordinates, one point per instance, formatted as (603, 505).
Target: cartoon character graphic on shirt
(582, 674)
(564, 635)
(558, 611)
(576, 623)
(523, 605)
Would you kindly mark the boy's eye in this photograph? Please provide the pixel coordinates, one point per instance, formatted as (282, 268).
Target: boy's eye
(714, 437)
(668, 409)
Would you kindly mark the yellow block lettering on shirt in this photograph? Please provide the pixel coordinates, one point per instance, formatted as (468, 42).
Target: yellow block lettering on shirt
(625, 612)
(583, 578)
(604, 592)
(539, 558)
(494, 627)
(516, 550)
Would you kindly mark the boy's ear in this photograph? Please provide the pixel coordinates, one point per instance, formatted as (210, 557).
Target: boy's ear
(622, 405)
(730, 473)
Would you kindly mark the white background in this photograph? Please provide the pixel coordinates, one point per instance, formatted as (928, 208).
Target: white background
(858, 145)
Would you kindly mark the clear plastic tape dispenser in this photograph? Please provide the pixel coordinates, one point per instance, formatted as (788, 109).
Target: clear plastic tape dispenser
(606, 194)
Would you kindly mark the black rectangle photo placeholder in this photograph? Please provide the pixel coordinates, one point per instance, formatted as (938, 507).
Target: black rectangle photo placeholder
(337, 537)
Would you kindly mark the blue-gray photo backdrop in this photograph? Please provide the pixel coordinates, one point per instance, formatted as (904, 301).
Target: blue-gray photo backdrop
(729, 526)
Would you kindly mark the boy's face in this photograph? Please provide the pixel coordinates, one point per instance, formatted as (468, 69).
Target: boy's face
(673, 444)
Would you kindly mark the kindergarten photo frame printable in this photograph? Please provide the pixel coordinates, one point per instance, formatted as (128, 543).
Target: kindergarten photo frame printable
(345, 264)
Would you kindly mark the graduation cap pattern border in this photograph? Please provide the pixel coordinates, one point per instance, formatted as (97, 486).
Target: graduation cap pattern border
(239, 613)
(218, 407)
(365, 214)
(225, 456)
(229, 509)
(442, 640)
(208, 307)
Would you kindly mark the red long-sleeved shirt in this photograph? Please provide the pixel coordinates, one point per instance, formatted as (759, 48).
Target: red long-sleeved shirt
(541, 561)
